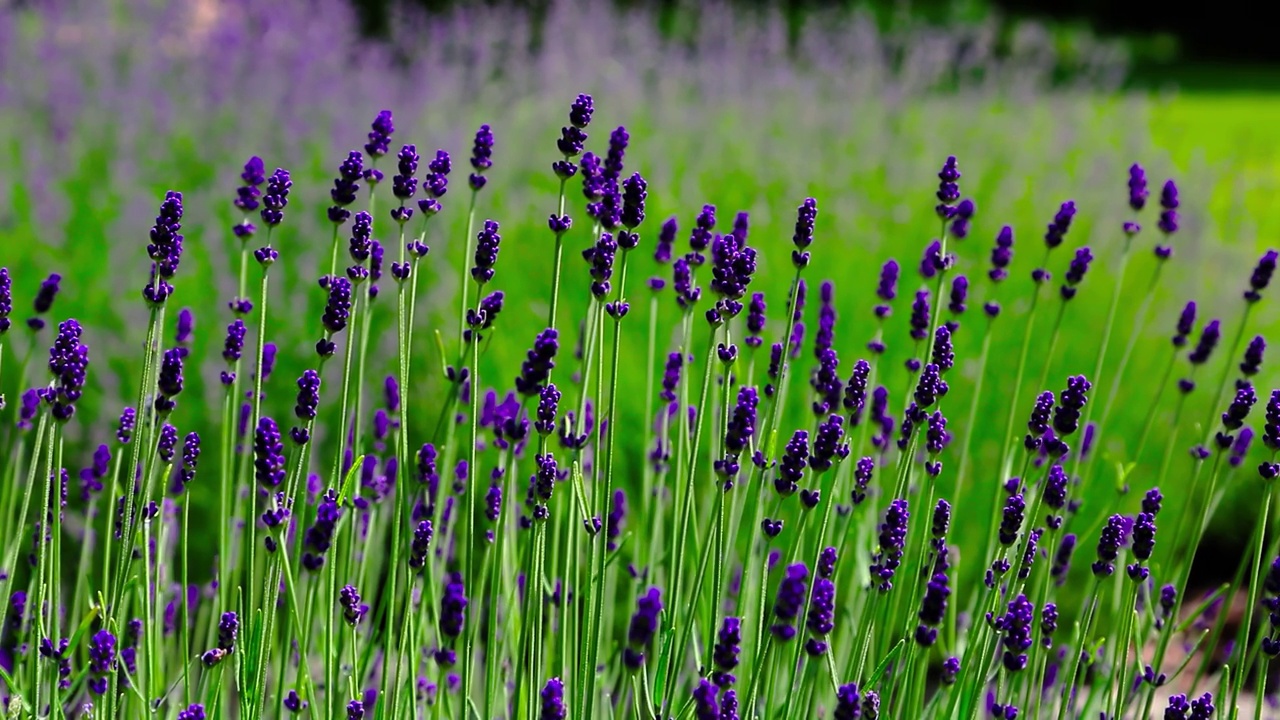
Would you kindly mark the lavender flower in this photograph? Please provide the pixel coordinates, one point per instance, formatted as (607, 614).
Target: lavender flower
(102, 660)
(821, 617)
(68, 362)
(319, 537)
(848, 703)
(725, 652)
(538, 363)
(268, 454)
(170, 380)
(1066, 416)
(892, 540)
(1057, 230)
(1016, 627)
(486, 254)
(802, 238)
(1137, 187)
(794, 459)
(705, 705)
(948, 188)
(1261, 277)
(933, 609)
(920, 316)
(352, 609)
(481, 157)
(829, 445)
(755, 320)
(1015, 507)
(855, 392)
(887, 289)
(1075, 273)
(553, 700)
(6, 300)
(790, 600)
(453, 606)
(1109, 546)
(643, 628)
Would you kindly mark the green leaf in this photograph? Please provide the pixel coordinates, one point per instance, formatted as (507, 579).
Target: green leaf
(884, 664)
(350, 480)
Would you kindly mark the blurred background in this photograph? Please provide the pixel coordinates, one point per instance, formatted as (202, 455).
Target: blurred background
(746, 104)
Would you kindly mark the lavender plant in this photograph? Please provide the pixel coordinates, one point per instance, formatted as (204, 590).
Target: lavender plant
(406, 547)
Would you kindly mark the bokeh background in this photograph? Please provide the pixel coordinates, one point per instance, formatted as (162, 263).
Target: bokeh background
(752, 106)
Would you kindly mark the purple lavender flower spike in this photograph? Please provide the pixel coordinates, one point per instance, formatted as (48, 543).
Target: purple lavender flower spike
(1137, 187)
(848, 703)
(892, 542)
(68, 363)
(1075, 273)
(806, 217)
(1208, 341)
(380, 135)
(1168, 223)
(791, 468)
(1186, 324)
(855, 392)
(963, 215)
(1109, 546)
(887, 289)
(553, 707)
(1001, 255)
(790, 601)
(102, 660)
(353, 610)
(345, 187)
(275, 198)
(186, 324)
(725, 653)
(821, 617)
(190, 458)
(481, 157)
(1057, 230)
(1016, 628)
(755, 321)
(706, 706)
(933, 609)
(6, 300)
(453, 606)
(948, 188)
(1066, 415)
(920, 316)
(268, 452)
(1261, 277)
(1253, 356)
(829, 445)
(643, 628)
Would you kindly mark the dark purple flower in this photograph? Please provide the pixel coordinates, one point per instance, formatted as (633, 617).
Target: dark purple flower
(821, 616)
(634, 193)
(892, 544)
(68, 363)
(319, 537)
(792, 592)
(1075, 273)
(1186, 323)
(6, 300)
(1208, 341)
(275, 198)
(345, 186)
(1137, 187)
(705, 704)
(186, 323)
(102, 660)
(1016, 628)
(794, 460)
(887, 289)
(553, 700)
(169, 379)
(933, 609)
(643, 628)
(1109, 546)
(380, 135)
(1038, 425)
(829, 445)
(403, 184)
(855, 392)
(1001, 255)
(920, 315)
(1015, 507)
(1066, 415)
(802, 238)
(352, 609)
(959, 294)
(1261, 277)
(1057, 230)
(963, 215)
(725, 653)
(190, 458)
(268, 454)
(538, 363)
(948, 188)
(666, 237)
(1253, 356)
(481, 157)
(453, 606)
(848, 703)
(1168, 223)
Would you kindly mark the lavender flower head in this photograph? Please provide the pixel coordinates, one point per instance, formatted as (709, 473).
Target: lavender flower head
(481, 157)
(887, 289)
(345, 187)
(892, 545)
(6, 300)
(275, 198)
(948, 188)
(643, 628)
(1075, 273)
(380, 135)
(1137, 187)
(268, 454)
(1186, 323)
(1208, 341)
(553, 700)
(1057, 230)
(102, 660)
(486, 254)
(1261, 277)
(806, 217)
(68, 363)
(790, 600)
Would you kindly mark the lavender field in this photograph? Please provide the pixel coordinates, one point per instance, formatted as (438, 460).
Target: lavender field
(549, 367)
